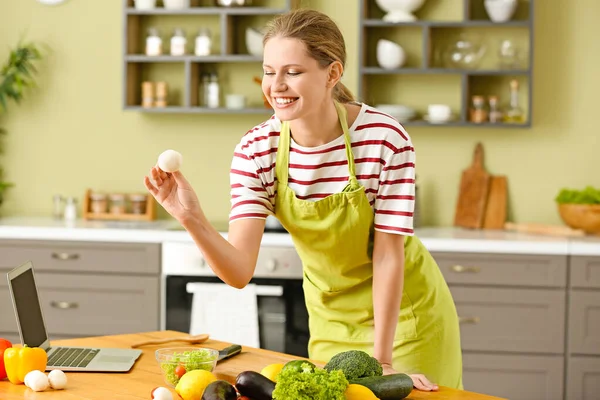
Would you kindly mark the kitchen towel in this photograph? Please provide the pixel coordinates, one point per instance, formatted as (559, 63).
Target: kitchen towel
(225, 313)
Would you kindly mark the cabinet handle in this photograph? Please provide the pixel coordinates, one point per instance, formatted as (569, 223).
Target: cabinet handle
(468, 320)
(65, 256)
(63, 305)
(460, 268)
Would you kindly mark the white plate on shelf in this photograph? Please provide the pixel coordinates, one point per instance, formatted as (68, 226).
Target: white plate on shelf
(439, 121)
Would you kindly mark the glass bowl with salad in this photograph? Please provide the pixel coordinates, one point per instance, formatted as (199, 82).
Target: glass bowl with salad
(176, 361)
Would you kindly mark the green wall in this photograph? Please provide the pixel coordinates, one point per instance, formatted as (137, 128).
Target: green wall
(71, 134)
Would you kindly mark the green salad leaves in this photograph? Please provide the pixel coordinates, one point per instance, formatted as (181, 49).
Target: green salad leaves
(589, 195)
(190, 360)
(310, 384)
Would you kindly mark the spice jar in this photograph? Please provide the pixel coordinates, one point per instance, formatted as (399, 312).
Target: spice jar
(478, 112)
(495, 113)
(117, 203)
(98, 203)
(153, 43)
(161, 94)
(178, 43)
(147, 94)
(203, 42)
(138, 203)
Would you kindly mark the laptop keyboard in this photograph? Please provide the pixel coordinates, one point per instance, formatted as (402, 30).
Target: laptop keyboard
(71, 357)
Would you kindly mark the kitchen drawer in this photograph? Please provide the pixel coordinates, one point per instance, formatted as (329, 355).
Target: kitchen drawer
(503, 269)
(515, 320)
(12, 337)
(92, 305)
(584, 322)
(514, 377)
(66, 256)
(585, 272)
(583, 378)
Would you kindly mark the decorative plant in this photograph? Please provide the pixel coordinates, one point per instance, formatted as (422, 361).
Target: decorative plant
(16, 76)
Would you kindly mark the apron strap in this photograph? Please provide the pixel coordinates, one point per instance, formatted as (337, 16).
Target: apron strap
(283, 148)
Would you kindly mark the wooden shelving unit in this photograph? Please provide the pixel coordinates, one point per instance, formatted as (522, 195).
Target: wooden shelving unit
(424, 40)
(182, 73)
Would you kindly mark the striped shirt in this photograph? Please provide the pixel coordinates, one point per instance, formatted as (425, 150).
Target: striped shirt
(384, 160)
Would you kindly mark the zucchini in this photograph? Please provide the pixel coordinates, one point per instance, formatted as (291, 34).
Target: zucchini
(387, 387)
(254, 385)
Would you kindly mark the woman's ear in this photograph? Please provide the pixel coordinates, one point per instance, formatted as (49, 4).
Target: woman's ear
(335, 73)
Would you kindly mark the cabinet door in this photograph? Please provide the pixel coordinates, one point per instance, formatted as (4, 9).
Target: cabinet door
(584, 322)
(514, 377)
(585, 272)
(98, 257)
(583, 382)
(516, 320)
(503, 269)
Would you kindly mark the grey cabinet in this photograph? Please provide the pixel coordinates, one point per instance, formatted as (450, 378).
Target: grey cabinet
(512, 314)
(583, 367)
(514, 377)
(86, 288)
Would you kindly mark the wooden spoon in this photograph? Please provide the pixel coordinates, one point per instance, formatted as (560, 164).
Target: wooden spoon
(189, 339)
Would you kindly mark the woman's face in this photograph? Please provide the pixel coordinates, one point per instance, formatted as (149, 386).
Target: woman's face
(293, 82)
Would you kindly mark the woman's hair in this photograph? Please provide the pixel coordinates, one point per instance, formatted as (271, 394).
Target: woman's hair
(320, 35)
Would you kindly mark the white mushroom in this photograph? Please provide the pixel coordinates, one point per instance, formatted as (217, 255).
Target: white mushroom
(162, 393)
(170, 161)
(57, 379)
(36, 381)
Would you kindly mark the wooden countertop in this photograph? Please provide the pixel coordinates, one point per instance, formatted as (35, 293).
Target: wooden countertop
(146, 375)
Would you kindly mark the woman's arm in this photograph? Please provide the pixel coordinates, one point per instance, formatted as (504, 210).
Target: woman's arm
(232, 259)
(388, 283)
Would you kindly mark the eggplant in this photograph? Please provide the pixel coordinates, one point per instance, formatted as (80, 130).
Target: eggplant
(219, 390)
(255, 385)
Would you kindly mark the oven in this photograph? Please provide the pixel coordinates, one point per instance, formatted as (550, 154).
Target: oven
(281, 311)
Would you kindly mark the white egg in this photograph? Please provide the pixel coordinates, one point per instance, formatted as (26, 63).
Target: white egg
(30, 375)
(162, 393)
(57, 379)
(170, 161)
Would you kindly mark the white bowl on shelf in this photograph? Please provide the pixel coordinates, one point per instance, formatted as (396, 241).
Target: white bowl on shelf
(399, 10)
(254, 42)
(500, 10)
(176, 4)
(145, 4)
(390, 55)
(401, 112)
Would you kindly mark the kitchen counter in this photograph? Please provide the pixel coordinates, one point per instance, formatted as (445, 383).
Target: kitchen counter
(145, 374)
(444, 239)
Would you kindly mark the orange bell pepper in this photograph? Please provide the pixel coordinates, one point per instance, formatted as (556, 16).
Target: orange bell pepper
(4, 344)
(20, 361)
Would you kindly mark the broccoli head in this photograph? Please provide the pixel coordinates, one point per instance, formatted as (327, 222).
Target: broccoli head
(355, 364)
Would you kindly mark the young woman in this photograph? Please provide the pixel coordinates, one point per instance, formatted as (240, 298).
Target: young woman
(339, 176)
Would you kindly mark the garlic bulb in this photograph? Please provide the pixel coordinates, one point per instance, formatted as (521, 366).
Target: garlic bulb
(36, 381)
(161, 393)
(57, 379)
(170, 161)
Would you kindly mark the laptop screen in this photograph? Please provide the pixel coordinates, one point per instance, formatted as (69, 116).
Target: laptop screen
(28, 309)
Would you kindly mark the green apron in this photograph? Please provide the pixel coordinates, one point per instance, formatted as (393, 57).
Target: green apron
(334, 239)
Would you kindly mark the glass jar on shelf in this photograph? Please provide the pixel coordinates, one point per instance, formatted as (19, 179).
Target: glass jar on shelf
(138, 203)
(153, 43)
(98, 203)
(178, 42)
(495, 113)
(117, 203)
(203, 42)
(478, 112)
(514, 114)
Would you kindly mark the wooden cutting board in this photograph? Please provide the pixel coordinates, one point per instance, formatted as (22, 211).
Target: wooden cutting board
(495, 210)
(473, 193)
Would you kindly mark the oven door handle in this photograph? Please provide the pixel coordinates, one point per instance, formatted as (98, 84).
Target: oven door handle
(268, 290)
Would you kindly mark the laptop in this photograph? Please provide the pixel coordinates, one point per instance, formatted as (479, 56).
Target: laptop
(32, 329)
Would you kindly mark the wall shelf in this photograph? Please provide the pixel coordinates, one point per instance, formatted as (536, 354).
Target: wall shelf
(428, 78)
(229, 57)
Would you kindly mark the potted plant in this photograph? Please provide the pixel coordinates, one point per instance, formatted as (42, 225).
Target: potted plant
(16, 76)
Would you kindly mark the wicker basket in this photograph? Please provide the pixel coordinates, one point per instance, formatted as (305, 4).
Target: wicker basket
(581, 216)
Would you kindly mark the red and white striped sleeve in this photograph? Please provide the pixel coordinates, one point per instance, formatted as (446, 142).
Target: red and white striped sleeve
(395, 202)
(251, 195)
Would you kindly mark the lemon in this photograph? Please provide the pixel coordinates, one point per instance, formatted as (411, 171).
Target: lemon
(359, 392)
(192, 384)
(271, 371)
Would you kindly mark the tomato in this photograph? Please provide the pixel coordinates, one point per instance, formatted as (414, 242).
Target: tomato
(180, 371)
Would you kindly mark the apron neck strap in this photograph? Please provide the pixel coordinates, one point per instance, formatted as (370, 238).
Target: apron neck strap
(283, 148)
